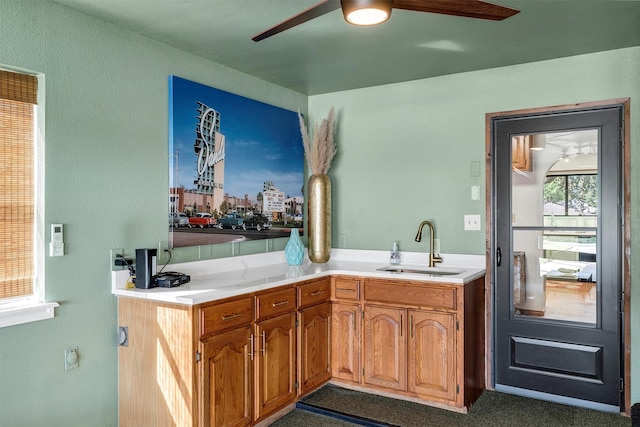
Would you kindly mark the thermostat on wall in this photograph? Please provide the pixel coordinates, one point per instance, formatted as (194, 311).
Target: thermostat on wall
(56, 246)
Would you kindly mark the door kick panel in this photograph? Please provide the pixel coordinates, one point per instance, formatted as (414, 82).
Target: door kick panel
(575, 360)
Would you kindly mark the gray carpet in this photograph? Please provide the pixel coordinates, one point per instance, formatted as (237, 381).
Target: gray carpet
(491, 409)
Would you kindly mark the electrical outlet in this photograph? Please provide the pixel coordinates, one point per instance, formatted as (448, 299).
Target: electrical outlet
(71, 358)
(472, 222)
(163, 256)
(342, 241)
(114, 253)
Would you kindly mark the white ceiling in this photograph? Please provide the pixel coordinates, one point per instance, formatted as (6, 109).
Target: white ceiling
(328, 55)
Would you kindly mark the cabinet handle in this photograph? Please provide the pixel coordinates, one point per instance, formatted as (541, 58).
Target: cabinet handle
(354, 320)
(264, 342)
(314, 293)
(231, 316)
(276, 304)
(401, 325)
(411, 325)
(251, 351)
(345, 290)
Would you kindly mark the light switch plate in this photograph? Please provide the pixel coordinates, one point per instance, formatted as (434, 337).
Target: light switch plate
(475, 192)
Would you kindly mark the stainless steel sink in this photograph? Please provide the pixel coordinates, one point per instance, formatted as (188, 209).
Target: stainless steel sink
(433, 271)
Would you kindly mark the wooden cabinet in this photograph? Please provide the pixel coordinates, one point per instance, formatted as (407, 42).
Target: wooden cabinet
(425, 340)
(225, 315)
(314, 319)
(345, 341)
(314, 292)
(226, 352)
(227, 378)
(275, 367)
(385, 347)
(315, 348)
(346, 329)
(238, 361)
(410, 350)
(432, 354)
(346, 289)
(156, 372)
(521, 152)
(275, 364)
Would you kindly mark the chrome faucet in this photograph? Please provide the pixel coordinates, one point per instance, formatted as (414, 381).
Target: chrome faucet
(432, 258)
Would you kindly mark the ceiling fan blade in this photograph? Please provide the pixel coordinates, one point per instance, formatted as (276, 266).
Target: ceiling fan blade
(302, 17)
(466, 8)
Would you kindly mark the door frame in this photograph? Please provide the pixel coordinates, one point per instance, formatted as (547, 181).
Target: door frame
(626, 253)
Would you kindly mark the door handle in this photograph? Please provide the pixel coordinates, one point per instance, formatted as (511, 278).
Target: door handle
(251, 351)
(498, 256)
(411, 325)
(231, 316)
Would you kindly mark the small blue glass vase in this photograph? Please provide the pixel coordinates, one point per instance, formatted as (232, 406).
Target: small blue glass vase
(294, 251)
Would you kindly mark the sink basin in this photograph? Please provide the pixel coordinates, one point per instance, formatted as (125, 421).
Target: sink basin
(434, 271)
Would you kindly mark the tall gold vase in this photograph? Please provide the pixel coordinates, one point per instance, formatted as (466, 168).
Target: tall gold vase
(319, 212)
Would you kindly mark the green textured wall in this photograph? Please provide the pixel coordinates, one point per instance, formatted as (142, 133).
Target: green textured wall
(405, 154)
(405, 151)
(107, 181)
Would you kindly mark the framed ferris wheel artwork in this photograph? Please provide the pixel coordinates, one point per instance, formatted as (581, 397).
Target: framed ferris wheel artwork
(236, 167)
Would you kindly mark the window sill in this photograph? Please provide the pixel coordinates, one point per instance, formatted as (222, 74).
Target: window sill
(17, 314)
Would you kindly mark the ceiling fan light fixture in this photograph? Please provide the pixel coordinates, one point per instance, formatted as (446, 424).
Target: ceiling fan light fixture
(539, 141)
(366, 12)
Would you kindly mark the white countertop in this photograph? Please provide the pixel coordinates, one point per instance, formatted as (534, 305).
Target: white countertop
(225, 277)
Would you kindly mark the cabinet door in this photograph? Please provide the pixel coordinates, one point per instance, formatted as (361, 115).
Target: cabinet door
(432, 354)
(275, 364)
(385, 347)
(227, 379)
(315, 347)
(345, 341)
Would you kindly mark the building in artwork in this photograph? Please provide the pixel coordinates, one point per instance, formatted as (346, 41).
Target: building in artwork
(209, 146)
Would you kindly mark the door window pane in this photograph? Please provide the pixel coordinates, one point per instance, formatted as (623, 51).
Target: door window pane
(554, 222)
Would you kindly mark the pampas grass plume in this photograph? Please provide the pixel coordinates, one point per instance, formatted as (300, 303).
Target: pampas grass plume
(320, 153)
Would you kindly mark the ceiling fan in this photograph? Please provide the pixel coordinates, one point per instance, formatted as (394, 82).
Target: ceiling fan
(371, 12)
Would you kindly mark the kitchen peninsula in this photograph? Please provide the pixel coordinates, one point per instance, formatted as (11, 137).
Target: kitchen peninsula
(250, 335)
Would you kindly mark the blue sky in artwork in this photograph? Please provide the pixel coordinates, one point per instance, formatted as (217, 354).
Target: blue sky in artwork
(263, 142)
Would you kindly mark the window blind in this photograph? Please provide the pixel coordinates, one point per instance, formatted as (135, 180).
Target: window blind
(18, 96)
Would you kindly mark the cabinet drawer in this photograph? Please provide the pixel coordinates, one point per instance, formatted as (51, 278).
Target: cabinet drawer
(314, 292)
(346, 289)
(216, 317)
(408, 293)
(276, 302)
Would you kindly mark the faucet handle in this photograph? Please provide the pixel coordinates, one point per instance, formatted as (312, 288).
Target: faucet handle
(435, 259)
